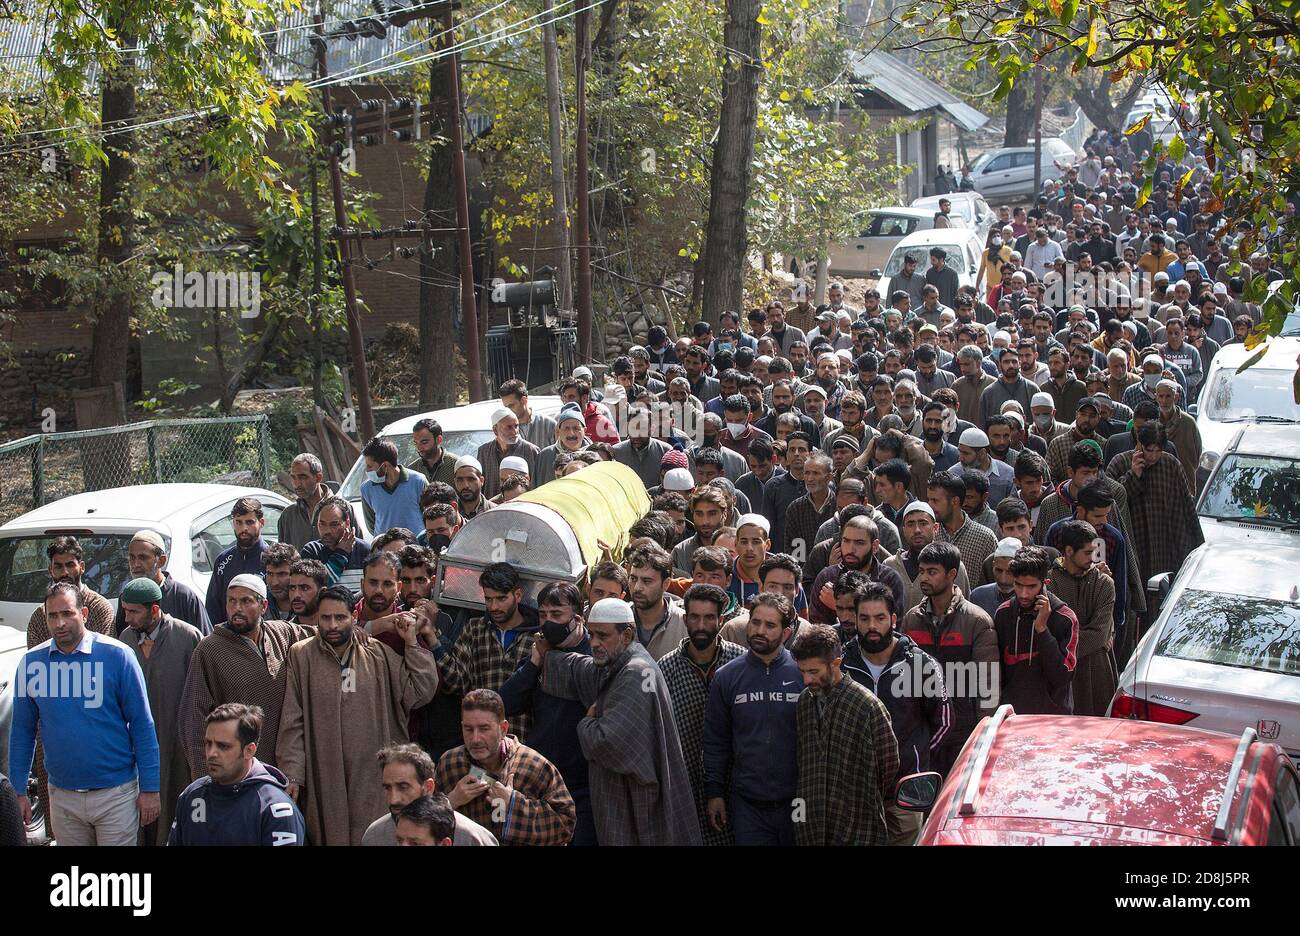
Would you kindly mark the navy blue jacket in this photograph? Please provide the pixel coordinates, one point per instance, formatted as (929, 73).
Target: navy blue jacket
(234, 561)
(255, 811)
(554, 732)
(750, 732)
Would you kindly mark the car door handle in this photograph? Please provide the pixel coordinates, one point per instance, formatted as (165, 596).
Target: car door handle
(861, 247)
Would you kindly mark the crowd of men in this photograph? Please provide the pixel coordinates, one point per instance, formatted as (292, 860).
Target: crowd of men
(868, 528)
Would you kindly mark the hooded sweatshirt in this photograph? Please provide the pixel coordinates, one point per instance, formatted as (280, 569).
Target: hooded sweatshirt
(1037, 669)
(750, 729)
(255, 811)
(234, 561)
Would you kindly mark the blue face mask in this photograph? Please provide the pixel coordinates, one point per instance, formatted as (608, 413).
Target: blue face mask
(375, 476)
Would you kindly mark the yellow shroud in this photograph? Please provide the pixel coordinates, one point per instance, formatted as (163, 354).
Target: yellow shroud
(599, 503)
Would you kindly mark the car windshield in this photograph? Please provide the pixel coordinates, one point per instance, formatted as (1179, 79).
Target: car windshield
(1233, 630)
(455, 443)
(1256, 391)
(922, 253)
(1255, 487)
(24, 566)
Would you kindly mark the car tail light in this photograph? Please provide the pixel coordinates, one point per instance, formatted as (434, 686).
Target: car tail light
(1127, 706)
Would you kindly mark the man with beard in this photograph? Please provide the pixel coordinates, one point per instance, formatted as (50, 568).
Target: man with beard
(1090, 594)
(785, 488)
(974, 451)
(660, 623)
(761, 470)
(848, 755)
(242, 660)
(468, 482)
(1062, 386)
(407, 772)
(810, 510)
(909, 682)
(853, 406)
(239, 800)
(163, 647)
(554, 732)
(245, 556)
(570, 437)
(946, 493)
(639, 451)
(343, 701)
(750, 735)
(1009, 386)
(709, 509)
(1086, 415)
(942, 452)
(976, 502)
(640, 786)
(688, 670)
(433, 461)
(376, 611)
(1180, 430)
(782, 403)
(277, 560)
(918, 527)
(146, 557)
(506, 442)
(1038, 637)
(306, 578)
(859, 540)
(338, 547)
(828, 378)
(960, 635)
(489, 648)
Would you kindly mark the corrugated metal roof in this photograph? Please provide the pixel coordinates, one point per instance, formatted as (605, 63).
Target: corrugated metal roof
(292, 58)
(892, 78)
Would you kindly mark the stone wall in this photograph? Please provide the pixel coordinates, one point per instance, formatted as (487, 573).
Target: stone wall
(53, 371)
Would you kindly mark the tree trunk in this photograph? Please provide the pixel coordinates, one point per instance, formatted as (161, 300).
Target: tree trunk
(439, 266)
(112, 329)
(1020, 115)
(559, 192)
(725, 255)
(1097, 105)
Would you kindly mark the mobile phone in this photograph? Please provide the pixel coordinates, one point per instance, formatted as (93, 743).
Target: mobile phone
(478, 773)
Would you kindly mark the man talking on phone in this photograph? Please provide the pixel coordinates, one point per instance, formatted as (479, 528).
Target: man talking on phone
(1038, 637)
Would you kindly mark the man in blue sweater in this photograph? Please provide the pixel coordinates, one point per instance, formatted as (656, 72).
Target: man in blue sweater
(86, 693)
(750, 731)
(390, 491)
(243, 557)
(241, 801)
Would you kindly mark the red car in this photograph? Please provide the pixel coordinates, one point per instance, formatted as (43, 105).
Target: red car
(1073, 780)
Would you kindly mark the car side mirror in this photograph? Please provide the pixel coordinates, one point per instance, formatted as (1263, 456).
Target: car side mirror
(917, 792)
(1158, 587)
(1191, 410)
(875, 274)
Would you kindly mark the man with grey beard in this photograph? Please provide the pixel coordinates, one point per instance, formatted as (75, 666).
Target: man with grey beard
(640, 789)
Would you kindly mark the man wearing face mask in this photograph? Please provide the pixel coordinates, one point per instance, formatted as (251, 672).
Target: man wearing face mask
(739, 432)
(892, 666)
(555, 719)
(640, 786)
(688, 670)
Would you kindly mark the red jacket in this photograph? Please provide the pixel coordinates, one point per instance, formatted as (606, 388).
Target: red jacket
(599, 426)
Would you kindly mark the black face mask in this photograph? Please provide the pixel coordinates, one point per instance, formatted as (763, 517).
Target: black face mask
(555, 633)
(439, 542)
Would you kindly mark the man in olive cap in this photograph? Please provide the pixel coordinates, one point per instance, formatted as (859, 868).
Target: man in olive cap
(163, 646)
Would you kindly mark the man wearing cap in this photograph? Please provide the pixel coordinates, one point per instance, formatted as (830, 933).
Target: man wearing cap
(973, 452)
(828, 327)
(641, 790)
(512, 467)
(146, 557)
(507, 442)
(570, 438)
(917, 527)
(1043, 413)
(163, 646)
(991, 596)
(1086, 416)
(244, 659)
(1180, 430)
(468, 482)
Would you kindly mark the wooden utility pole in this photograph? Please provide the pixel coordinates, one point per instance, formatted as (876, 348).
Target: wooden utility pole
(468, 300)
(582, 183)
(559, 191)
(356, 343)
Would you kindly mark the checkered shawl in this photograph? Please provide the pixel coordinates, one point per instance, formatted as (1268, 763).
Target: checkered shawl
(689, 690)
(539, 811)
(848, 761)
(1165, 525)
(801, 522)
(975, 543)
(478, 661)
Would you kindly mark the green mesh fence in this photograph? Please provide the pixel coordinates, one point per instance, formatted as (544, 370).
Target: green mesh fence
(43, 468)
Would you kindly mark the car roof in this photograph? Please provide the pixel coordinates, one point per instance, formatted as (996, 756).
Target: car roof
(1127, 773)
(470, 416)
(927, 201)
(931, 236)
(1281, 353)
(1266, 439)
(141, 503)
(897, 210)
(1249, 568)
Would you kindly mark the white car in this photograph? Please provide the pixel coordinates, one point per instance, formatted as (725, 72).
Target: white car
(969, 206)
(1262, 393)
(193, 519)
(881, 231)
(962, 245)
(1254, 491)
(1224, 651)
(1162, 110)
(1009, 172)
(464, 429)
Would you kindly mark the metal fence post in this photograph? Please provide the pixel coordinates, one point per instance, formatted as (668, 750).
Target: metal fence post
(38, 472)
(151, 443)
(264, 448)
